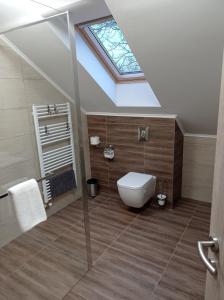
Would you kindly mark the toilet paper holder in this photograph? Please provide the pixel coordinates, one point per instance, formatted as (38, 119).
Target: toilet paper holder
(108, 150)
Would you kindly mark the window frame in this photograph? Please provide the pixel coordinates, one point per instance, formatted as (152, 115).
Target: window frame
(98, 49)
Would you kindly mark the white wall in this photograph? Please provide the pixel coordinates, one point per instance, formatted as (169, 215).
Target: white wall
(179, 45)
(198, 166)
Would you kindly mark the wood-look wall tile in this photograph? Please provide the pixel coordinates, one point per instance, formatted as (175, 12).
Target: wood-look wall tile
(100, 171)
(119, 170)
(156, 156)
(159, 143)
(127, 161)
(96, 120)
(159, 166)
(125, 120)
(159, 121)
(129, 131)
(162, 150)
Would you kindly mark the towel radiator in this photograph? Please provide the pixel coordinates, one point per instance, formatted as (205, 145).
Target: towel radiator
(54, 136)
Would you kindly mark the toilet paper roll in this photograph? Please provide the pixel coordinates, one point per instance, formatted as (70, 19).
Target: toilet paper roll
(94, 140)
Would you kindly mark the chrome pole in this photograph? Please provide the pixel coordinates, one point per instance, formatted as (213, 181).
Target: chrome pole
(77, 113)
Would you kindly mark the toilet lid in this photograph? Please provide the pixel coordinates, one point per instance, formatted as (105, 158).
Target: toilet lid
(134, 180)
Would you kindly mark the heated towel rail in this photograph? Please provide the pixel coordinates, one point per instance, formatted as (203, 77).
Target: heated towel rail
(38, 180)
(54, 136)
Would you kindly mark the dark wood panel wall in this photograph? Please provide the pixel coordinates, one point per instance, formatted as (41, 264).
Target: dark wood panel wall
(160, 156)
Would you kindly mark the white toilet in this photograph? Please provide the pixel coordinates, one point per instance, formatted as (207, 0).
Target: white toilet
(135, 189)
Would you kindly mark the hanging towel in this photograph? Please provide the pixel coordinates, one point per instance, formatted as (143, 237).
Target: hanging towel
(62, 183)
(27, 204)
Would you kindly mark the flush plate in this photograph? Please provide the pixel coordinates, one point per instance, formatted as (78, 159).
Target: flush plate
(143, 134)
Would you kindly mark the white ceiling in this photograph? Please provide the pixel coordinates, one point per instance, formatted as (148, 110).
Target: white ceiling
(17, 13)
(14, 13)
(179, 46)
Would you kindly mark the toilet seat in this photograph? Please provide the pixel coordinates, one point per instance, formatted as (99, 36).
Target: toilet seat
(134, 180)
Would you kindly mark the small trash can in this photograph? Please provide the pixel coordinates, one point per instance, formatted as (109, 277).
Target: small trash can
(92, 187)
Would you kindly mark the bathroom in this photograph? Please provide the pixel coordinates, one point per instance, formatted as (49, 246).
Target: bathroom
(149, 146)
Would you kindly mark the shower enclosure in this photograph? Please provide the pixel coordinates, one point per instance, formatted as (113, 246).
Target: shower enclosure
(39, 67)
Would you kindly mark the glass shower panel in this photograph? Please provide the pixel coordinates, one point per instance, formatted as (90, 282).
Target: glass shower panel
(36, 69)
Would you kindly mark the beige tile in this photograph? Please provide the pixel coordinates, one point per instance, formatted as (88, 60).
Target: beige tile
(10, 64)
(198, 167)
(12, 93)
(200, 152)
(13, 122)
(13, 172)
(15, 150)
(197, 181)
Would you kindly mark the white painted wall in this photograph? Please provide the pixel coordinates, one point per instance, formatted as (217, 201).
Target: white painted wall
(179, 45)
(137, 94)
(94, 68)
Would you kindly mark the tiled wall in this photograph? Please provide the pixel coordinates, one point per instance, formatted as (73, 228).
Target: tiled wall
(160, 156)
(198, 167)
(20, 87)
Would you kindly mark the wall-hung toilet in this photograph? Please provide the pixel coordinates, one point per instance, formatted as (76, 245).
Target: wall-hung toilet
(135, 189)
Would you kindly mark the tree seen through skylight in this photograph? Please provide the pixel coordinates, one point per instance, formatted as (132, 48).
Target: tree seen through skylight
(112, 40)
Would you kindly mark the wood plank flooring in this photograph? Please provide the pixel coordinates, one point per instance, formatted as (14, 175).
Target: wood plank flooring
(147, 254)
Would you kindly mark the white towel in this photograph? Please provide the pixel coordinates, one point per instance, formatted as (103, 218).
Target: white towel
(27, 204)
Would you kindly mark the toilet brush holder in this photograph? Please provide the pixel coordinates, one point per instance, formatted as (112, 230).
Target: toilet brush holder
(161, 199)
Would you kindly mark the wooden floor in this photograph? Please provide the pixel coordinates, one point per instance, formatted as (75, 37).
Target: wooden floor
(137, 255)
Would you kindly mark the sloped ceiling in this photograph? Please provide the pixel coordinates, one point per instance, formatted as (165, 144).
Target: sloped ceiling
(179, 45)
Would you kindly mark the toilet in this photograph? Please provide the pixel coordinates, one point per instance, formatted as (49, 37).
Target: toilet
(135, 189)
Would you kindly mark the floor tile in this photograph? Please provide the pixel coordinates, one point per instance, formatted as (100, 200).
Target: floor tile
(49, 275)
(138, 254)
(182, 280)
(73, 244)
(117, 276)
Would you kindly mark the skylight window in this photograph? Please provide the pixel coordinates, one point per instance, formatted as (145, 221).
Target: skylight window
(109, 43)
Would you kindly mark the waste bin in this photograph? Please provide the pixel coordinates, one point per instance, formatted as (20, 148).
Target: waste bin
(92, 187)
